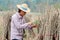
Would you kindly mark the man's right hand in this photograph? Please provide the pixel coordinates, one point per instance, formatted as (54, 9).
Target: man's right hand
(29, 23)
(33, 25)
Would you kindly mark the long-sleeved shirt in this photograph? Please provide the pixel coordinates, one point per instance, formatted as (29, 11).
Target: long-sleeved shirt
(18, 23)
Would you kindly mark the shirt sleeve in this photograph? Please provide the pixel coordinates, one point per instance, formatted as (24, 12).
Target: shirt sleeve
(18, 24)
(29, 26)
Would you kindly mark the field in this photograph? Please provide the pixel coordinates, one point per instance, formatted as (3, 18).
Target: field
(48, 29)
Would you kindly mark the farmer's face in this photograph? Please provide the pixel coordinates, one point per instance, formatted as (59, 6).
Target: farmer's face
(22, 13)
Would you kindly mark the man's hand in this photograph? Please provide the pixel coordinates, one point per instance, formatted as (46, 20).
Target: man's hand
(34, 26)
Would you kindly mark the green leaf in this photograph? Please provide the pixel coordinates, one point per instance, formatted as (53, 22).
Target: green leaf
(36, 22)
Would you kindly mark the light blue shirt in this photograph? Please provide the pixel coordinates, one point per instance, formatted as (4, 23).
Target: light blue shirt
(18, 23)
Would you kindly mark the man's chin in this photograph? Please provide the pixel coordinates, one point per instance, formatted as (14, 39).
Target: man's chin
(23, 15)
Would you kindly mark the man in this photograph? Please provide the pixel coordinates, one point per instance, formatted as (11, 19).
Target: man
(18, 22)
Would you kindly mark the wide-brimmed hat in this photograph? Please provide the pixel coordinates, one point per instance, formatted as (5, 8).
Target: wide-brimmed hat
(23, 7)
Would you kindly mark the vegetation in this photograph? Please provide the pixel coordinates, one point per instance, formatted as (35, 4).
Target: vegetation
(48, 28)
(44, 13)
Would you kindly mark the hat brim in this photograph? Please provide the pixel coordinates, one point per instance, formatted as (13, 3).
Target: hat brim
(27, 11)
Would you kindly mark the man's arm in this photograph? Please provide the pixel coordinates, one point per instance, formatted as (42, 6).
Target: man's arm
(18, 24)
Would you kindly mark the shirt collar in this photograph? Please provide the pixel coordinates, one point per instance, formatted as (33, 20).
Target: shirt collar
(19, 16)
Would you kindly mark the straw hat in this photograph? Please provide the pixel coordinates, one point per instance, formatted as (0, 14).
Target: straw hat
(23, 7)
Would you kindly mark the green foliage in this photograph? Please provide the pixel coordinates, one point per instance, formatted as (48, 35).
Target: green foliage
(36, 22)
(57, 5)
(11, 4)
